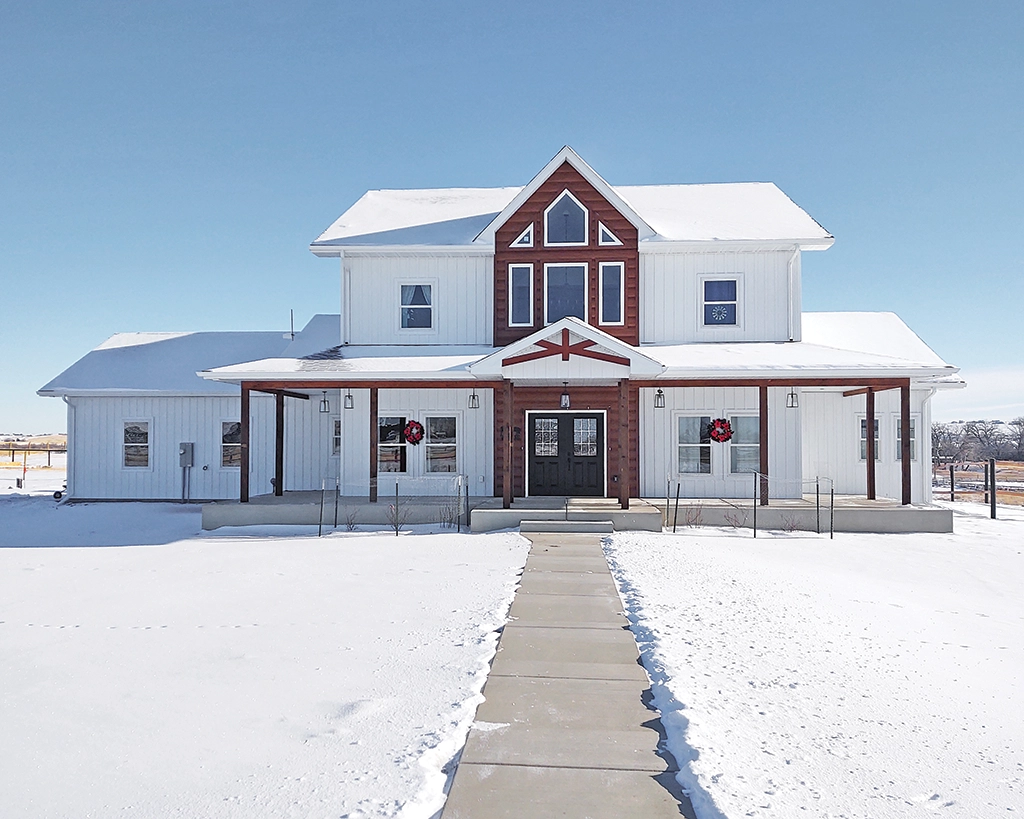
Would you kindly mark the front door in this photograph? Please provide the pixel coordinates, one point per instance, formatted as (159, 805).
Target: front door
(566, 453)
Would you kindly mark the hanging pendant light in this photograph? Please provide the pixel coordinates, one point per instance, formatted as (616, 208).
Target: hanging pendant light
(325, 405)
(349, 401)
(792, 398)
(659, 399)
(474, 400)
(563, 402)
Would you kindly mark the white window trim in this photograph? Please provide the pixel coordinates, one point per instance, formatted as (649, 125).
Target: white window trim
(730, 443)
(880, 446)
(417, 331)
(149, 443)
(601, 226)
(915, 420)
(586, 287)
(416, 456)
(336, 419)
(220, 444)
(720, 277)
(422, 461)
(529, 230)
(532, 294)
(674, 463)
(586, 222)
(622, 294)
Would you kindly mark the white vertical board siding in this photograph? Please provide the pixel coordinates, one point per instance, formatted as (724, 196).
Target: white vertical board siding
(462, 295)
(672, 305)
(474, 441)
(831, 438)
(659, 444)
(97, 443)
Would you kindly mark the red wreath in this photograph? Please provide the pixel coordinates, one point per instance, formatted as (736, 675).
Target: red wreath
(413, 432)
(720, 430)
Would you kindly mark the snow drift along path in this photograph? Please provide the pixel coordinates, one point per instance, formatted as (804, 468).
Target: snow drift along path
(868, 676)
(237, 676)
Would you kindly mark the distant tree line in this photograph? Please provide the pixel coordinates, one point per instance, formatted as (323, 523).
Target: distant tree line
(978, 440)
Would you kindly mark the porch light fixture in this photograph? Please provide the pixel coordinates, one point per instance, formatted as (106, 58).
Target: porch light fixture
(659, 399)
(474, 400)
(325, 405)
(563, 402)
(349, 402)
(792, 398)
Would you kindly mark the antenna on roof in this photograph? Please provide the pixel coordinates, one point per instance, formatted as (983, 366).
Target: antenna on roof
(292, 314)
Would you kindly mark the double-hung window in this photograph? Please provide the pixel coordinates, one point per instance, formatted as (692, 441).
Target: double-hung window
(745, 444)
(391, 445)
(864, 440)
(520, 295)
(417, 307)
(720, 302)
(135, 446)
(335, 436)
(612, 281)
(230, 443)
(899, 440)
(565, 291)
(694, 444)
(440, 443)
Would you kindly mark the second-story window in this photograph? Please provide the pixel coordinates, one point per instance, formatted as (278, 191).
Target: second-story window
(611, 292)
(719, 302)
(520, 295)
(417, 307)
(565, 291)
(565, 221)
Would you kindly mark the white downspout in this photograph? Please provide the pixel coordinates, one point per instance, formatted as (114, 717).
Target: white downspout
(344, 330)
(71, 440)
(789, 290)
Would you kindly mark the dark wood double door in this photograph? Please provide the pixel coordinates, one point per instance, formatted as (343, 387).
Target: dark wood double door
(566, 453)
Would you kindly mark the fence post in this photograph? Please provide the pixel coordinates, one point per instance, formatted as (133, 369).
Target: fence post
(817, 504)
(992, 484)
(756, 479)
(675, 516)
(952, 491)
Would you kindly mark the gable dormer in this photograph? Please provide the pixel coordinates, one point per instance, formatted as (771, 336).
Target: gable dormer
(566, 250)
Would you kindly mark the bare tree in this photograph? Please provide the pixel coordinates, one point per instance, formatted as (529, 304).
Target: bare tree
(1015, 438)
(986, 439)
(948, 443)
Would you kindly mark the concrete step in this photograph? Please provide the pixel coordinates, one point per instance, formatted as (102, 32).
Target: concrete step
(599, 527)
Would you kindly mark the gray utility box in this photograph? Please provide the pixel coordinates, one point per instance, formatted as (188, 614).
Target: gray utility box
(186, 454)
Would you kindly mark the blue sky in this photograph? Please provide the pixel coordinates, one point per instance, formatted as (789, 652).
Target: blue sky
(165, 166)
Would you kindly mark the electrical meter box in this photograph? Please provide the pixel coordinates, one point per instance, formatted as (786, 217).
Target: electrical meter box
(185, 454)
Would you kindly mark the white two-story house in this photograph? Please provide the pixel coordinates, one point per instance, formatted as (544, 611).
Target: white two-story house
(564, 338)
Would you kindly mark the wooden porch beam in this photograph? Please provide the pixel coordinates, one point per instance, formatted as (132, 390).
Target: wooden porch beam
(869, 409)
(876, 383)
(243, 482)
(763, 441)
(286, 393)
(864, 390)
(905, 441)
(506, 466)
(422, 384)
(279, 444)
(624, 477)
(373, 445)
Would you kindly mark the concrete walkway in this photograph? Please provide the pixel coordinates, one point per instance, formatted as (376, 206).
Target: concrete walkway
(565, 730)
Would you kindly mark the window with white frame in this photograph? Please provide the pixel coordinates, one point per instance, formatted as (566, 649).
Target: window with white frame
(565, 221)
(864, 440)
(135, 444)
(524, 239)
(720, 302)
(565, 291)
(520, 295)
(391, 446)
(230, 443)
(612, 283)
(605, 237)
(745, 444)
(417, 307)
(441, 443)
(913, 440)
(694, 441)
(335, 436)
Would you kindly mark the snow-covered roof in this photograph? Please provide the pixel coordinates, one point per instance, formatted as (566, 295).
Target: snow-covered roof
(162, 363)
(883, 334)
(449, 217)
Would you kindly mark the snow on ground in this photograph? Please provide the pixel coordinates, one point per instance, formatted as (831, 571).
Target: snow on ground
(149, 669)
(866, 676)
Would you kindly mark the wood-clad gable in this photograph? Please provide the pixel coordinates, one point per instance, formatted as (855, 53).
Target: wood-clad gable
(599, 210)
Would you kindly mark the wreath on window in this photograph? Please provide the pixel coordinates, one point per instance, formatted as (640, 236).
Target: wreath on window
(720, 430)
(413, 432)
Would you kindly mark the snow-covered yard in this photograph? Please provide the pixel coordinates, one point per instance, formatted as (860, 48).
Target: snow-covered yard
(867, 676)
(147, 669)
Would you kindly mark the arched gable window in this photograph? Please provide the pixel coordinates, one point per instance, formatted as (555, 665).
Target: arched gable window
(565, 221)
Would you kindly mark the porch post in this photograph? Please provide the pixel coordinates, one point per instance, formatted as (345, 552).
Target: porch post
(373, 444)
(869, 400)
(506, 466)
(243, 482)
(624, 443)
(763, 441)
(905, 441)
(279, 444)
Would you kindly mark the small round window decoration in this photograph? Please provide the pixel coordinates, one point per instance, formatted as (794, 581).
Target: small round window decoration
(719, 313)
(720, 430)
